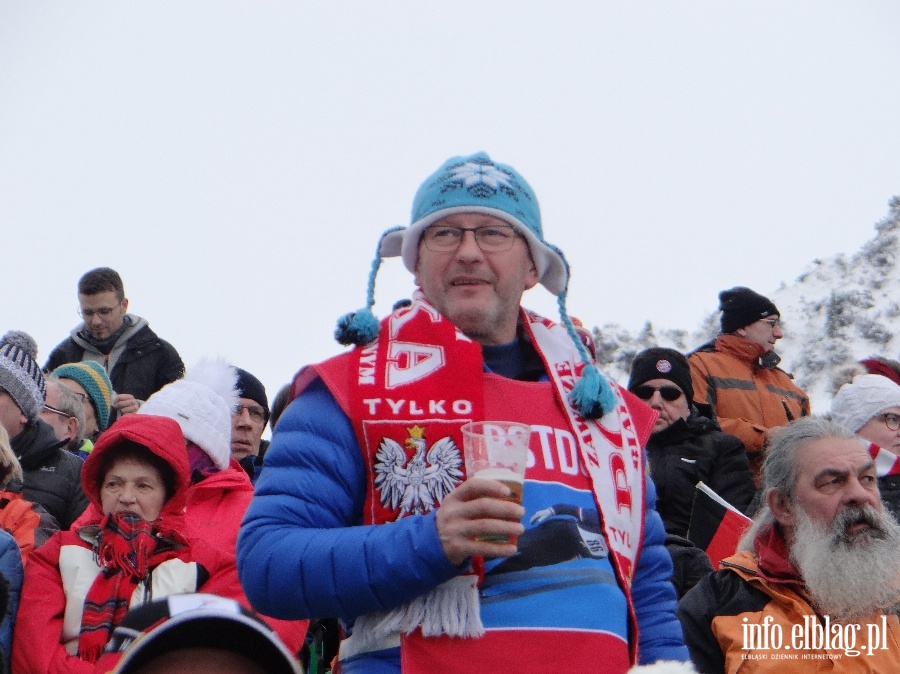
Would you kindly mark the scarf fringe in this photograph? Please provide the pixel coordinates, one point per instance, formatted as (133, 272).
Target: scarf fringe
(451, 609)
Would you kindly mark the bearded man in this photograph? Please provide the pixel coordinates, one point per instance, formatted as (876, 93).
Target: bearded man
(821, 554)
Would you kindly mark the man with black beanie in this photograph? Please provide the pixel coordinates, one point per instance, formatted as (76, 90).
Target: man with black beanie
(685, 447)
(249, 422)
(736, 378)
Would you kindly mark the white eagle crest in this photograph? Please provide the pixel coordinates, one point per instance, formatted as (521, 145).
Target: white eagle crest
(420, 484)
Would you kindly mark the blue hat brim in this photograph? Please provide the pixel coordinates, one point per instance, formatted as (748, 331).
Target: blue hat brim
(404, 243)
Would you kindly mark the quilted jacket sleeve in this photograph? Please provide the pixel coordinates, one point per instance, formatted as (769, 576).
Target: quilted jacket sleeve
(304, 551)
(39, 623)
(11, 570)
(655, 601)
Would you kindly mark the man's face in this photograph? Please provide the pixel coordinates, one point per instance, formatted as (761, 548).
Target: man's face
(103, 313)
(670, 411)
(247, 429)
(61, 423)
(90, 416)
(834, 474)
(11, 416)
(478, 291)
(764, 332)
(877, 430)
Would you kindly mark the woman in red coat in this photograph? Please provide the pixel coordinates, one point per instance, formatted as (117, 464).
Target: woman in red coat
(79, 585)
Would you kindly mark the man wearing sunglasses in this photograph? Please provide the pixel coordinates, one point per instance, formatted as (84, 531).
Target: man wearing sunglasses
(736, 377)
(137, 361)
(685, 447)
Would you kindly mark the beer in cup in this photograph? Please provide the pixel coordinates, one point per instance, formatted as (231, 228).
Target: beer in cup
(497, 450)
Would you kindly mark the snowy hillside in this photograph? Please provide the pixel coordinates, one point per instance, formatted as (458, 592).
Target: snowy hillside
(838, 311)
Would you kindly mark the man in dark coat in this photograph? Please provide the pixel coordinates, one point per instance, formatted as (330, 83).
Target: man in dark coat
(52, 475)
(138, 362)
(685, 448)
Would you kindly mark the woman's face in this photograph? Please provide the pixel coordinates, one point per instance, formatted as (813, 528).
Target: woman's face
(130, 485)
(879, 430)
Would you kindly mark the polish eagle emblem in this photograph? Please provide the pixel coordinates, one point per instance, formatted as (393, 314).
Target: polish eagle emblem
(418, 485)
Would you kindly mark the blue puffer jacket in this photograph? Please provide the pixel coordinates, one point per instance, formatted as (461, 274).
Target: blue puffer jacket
(11, 570)
(303, 551)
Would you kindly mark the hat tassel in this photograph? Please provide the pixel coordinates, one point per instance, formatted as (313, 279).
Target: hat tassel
(361, 327)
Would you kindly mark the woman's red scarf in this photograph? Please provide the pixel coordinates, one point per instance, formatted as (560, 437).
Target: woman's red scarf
(127, 550)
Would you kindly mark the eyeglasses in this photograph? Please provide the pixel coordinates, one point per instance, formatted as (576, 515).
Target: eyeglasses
(256, 412)
(50, 408)
(103, 312)
(491, 238)
(891, 420)
(772, 322)
(668, 393)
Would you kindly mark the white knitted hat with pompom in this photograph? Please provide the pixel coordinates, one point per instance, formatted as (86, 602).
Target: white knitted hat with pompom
(202, 403)
(862, 399)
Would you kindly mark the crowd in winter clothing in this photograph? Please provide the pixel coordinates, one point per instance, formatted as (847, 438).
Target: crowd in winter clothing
(145, 482)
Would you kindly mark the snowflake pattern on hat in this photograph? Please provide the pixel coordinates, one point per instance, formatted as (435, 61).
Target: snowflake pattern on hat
(472, 174)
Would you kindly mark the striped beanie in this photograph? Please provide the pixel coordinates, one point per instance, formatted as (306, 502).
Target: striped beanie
(20, 375)
(93, 379)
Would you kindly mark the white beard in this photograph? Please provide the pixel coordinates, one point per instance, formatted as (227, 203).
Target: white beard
(849, 576)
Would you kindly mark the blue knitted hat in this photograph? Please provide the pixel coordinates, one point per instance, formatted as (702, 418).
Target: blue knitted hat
(475, 184)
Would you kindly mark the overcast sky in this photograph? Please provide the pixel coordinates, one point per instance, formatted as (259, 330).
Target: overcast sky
(236, 161)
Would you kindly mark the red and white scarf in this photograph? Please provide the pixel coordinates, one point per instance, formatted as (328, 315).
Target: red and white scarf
(423, 368)
(886, 462)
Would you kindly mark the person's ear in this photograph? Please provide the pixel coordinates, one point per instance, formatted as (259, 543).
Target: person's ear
(125, 305)
(72, 427)
(531, 276)
(781, 507)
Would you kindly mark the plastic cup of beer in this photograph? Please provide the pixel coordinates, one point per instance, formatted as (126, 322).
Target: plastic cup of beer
(497, 450)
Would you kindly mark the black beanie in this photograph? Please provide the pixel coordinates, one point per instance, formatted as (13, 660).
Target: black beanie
(661, 363)
(741, 306)
(252, 388)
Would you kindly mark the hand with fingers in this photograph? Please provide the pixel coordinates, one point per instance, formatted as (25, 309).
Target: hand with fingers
(473, 512)
(126, 403)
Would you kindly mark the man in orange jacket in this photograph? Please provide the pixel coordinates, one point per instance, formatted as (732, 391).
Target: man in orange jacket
(736, 379)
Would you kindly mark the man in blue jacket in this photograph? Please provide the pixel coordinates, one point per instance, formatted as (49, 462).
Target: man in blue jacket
(372, 438)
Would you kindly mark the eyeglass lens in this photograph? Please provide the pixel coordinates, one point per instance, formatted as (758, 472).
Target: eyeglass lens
(443, 238)
(256, 413)
(668, 393)
(892, 421)
(102, 311)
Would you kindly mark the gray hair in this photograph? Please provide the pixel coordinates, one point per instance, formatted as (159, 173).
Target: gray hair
(70, 404)
(780, 470)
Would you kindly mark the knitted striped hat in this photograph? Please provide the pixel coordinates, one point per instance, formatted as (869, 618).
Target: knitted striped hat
(93, 379)
(20, 375)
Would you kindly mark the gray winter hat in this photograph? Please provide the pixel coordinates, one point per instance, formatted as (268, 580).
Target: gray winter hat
(862, 399)
(20, 375)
